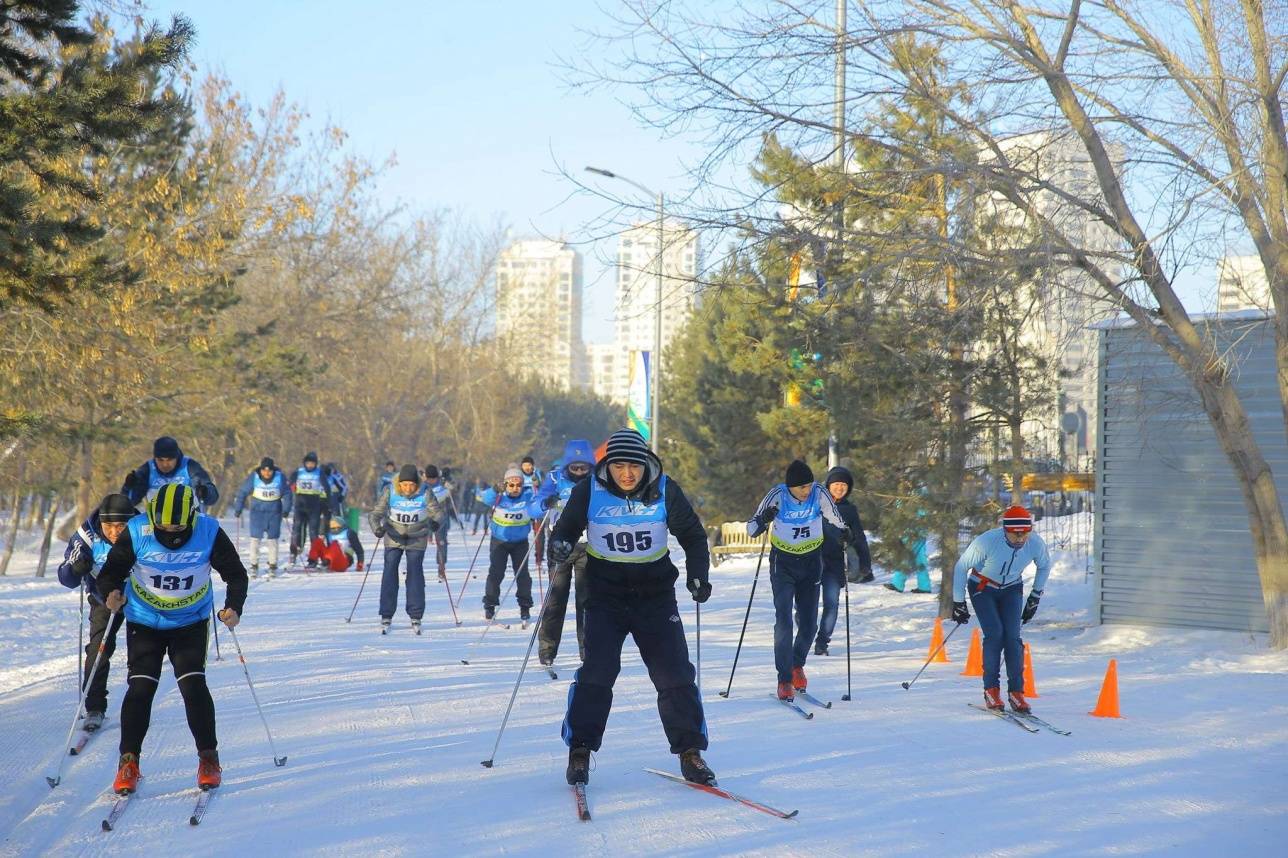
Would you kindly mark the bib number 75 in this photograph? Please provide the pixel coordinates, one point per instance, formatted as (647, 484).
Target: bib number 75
(627, 542)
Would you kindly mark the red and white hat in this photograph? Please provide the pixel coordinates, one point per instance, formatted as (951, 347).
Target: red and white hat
(1017, 519)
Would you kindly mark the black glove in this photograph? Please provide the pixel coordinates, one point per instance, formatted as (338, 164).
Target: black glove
(81, 565)
(960, 614)
(550, 502)
(433, 526)
(700, 589)
(1031, 606)
(377, 532)
(767, 517)
(847, 537)
(559, 551)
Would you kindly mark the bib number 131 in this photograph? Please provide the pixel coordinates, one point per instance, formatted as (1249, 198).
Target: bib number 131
(172, 582)
(626, 542)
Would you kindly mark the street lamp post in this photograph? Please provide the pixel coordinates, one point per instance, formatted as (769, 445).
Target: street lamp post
(655, 370)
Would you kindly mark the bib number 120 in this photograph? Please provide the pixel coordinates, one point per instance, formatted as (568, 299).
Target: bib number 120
(626, 542)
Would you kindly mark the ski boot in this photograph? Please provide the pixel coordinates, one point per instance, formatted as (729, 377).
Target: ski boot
(866, 577)
(385, 623)
(415, 626)
(890, 586)
(489, 612)
(695, 769)
(578, 766)
(93, 721)
(820, 648)
(254, 570)
(1018, 703)
(993, 698)
(785, 691)
(442, 573)
(799, 682)
(272, 570)
(127, 775)
(208, 770)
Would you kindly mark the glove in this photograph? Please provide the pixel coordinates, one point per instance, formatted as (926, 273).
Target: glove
(229, 617)
(237, 513)
(700, 589)
(433, 526)
(1031, 606)
(81, 565)
(559, 551)
(550, 502)
(766, 517)
(960, 614)
(847, 537)
(378, 532)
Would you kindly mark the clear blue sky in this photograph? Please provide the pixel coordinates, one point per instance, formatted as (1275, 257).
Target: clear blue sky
(466, 95)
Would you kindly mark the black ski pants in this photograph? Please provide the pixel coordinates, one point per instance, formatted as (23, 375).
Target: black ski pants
(556, 608)
(96, 695)
(186, 646)
(499, 552)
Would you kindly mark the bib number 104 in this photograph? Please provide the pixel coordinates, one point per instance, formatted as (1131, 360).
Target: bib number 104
(626, 542)
(172, 582)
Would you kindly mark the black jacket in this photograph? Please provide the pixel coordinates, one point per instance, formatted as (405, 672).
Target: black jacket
(136, 482)
(638, 579)
(224, 559)
(849, 512)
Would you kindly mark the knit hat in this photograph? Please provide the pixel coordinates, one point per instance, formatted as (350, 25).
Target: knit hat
(527, 460)
(116, 508)
(267, 462)
(1017, 519)
(512, 474)
(798, 474)
(431, 472)
(840, 475)
(626, 445)
(165, 447)
(408, 474)
(310, 456)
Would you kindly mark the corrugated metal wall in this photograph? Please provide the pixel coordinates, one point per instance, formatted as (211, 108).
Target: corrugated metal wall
(1172, 540)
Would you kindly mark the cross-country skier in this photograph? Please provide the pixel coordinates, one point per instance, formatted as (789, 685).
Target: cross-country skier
(557, 487)
(159, 571)
(405, 517)
(991, 569)
(533, 476)
(918, 547)
(794, 511)
(86, 552)
(310, 496)
(626, 511)
(386, 479)
(337, 493)
(511, 526)
(169, 465)
(841, 564)
(485, 498)
(270, 502)
(342, 547)
(442, 493)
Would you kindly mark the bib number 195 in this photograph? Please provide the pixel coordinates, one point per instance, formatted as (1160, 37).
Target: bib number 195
(626, 542)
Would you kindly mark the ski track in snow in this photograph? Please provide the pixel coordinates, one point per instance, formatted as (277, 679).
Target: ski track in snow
(385, 734)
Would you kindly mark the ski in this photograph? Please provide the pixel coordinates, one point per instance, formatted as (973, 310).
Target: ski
(724, 793)
(795, 707)
(1033, 719)
(810, 698)
(82, 740)
(583, 807)
(1005, 716)
(199, 809)
(122, 801)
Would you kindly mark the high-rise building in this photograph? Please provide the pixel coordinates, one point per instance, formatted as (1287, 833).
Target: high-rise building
(636, 309)
(1242, 284)
(538, 311)
(602, 361)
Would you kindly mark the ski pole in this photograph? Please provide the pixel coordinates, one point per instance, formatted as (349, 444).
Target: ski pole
(509, 587)
(746, 617)
(374, 551)
(215, 623)
(486, 531)
(80, 636)
(277, 761)
(80, 702)
(846, 696)
(697, 608)
(448, 587)
(953, 631)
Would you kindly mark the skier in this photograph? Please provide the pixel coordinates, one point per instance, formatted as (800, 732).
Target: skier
(169, 465)
(386, 479)
(795, 510)
(342, 548)
(270, 503)
(166, 557)
(555, 491)
(626, 511)
(920, 557)
(483, 507)
(991, 570)
(531, 474)
(310, 495)
(511, 526)
(82, 561)
(442, 493)
(405, 517)
(337, 493)
(841, 565)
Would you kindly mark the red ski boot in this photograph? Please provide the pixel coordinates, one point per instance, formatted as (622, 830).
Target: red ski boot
(127, 775)
(208, 770)
(785, 691)
(799, 682)
(1018, 703)
(993, 698)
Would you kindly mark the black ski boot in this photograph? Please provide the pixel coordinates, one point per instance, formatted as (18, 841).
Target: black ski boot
(695, 769)
(820, 648)
(578, 766)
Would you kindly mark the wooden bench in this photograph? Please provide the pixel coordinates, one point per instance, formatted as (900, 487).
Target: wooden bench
(733, 539)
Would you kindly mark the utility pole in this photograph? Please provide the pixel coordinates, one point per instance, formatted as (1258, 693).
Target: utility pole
(838, 216)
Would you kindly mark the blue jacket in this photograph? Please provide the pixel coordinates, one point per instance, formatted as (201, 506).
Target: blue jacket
(993, 557)
(87, 542)
(281, 506)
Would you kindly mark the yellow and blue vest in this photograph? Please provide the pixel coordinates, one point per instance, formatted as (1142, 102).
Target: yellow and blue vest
(170, 588)
(626, 531)
(512, 517)
(798, 527)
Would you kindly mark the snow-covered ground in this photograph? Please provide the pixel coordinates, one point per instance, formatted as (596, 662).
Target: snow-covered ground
(385, 735)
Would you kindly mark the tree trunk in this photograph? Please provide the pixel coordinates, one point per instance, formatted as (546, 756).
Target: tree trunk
(85, 481)
(949, 549)
(1017, 459)
(13, 526)
(48, 535)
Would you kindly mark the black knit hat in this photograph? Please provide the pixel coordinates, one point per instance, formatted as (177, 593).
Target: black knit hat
(798, 474)
(165, 447)
(626, 445)
(527, 460)
(310, 456)
(431, 472)
(116, 508)
(267, 462)
(408, 474)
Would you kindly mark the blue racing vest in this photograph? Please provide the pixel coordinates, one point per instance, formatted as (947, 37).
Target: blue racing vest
(156, 479)
(309, 482)
(269, 491)
(798, 527)
(511, 518)
(170, 588)
(625, 531)
(406, 512)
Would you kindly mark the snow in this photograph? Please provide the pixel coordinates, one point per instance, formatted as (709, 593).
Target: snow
(385, 735)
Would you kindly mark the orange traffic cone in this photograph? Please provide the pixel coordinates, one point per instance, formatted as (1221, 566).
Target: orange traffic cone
(975, 658)
(938, 652)
(1107, 705)
(1030, 684)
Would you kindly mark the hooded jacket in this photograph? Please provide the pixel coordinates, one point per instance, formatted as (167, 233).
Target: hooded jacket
(832, 551)
(638, 579)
